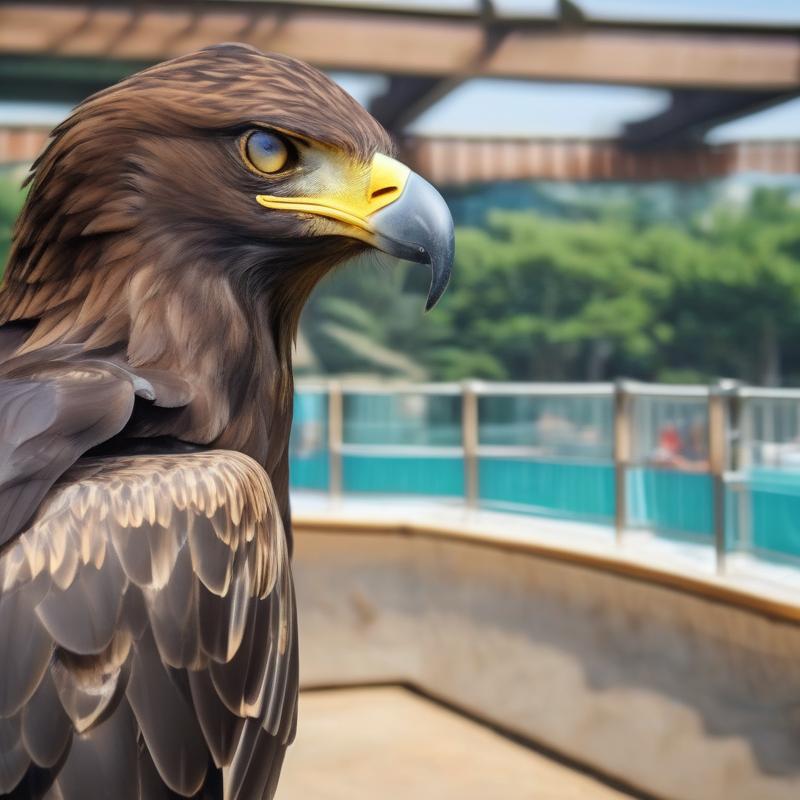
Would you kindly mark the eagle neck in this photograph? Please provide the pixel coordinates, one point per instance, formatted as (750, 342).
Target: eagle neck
(193, 321)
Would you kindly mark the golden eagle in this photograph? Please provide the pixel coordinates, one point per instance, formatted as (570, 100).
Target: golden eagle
(174, 228)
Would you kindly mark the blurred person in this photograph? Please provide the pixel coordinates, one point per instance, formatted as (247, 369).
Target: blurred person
(684, 449)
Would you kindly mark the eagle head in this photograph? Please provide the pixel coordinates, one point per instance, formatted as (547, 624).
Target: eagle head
(266, 149)
(252, 160)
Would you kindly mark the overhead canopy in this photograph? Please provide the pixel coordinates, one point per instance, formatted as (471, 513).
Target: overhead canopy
(718, 65)
(404, 42)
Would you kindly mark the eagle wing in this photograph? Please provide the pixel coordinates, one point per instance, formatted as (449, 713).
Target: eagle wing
(46, 424)
(55, 405)
(147, 626)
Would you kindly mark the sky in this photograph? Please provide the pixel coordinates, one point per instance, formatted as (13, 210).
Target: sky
(779, 122)
(551, 110)
(765, 12)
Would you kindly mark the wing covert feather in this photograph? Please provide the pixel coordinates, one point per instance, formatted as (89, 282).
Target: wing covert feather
(46, 423)
(149, 601)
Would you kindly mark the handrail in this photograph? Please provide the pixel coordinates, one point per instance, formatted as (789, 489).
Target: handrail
(499, 388)
(391, 388)
(542, 389)
(766, 393)
(530, 452)
(665, 389)
(536, 388)
(538, 454)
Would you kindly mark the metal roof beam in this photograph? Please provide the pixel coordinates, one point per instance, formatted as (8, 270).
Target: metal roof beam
(692, 113)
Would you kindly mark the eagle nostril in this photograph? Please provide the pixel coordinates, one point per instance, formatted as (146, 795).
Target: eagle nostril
(382, 191)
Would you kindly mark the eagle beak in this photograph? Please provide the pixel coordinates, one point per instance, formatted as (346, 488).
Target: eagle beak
(400, 213)
(417, 226)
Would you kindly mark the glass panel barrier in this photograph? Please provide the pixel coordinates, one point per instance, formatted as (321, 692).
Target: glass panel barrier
(403, 441)
(308, 445)
(547, 449)
(763, 496)
(402, 417)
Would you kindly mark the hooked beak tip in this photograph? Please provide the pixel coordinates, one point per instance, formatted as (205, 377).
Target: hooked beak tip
(440, 278)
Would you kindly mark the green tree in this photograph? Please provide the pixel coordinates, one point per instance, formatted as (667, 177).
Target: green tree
(605, 291)
(11, 200)
(735, 300)
(553, 299)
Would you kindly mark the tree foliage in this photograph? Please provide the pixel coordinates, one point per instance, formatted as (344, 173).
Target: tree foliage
(606, 290)
(11, 199)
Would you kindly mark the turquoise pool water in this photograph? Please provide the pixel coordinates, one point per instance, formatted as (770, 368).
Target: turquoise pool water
(774, 511)
(575, 490)
(419, 475)
(309, 470)
(672, 504)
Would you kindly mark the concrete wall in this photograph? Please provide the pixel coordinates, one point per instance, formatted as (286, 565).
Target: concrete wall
(679, 695)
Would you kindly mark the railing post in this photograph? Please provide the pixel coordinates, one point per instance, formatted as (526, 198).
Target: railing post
(335, 438)
(622, 455)
(742, 428)
(719, 437)
(469, 441)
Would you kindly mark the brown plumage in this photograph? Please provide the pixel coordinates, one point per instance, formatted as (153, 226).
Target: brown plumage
(147, 618)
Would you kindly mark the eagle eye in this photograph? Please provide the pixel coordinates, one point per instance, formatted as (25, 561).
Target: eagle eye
(267, 152)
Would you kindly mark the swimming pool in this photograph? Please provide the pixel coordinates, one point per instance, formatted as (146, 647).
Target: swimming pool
(410, 444)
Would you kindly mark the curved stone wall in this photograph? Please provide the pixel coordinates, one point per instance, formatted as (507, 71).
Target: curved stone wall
(680, 695)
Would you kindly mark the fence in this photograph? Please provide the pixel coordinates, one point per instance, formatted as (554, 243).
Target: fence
(762, 503)
(717, 465)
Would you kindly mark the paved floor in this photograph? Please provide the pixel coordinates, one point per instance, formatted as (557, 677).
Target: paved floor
(390, 744)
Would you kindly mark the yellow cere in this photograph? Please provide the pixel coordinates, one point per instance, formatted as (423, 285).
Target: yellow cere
(387, 179)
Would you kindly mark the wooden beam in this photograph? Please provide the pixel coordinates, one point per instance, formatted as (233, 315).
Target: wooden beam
(21, 145)
(692, 113)
(409, 44)
(654, 58)
(404, 92)
(458, 162)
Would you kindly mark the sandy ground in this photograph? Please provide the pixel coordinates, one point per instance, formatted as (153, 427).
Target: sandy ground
(390, 744)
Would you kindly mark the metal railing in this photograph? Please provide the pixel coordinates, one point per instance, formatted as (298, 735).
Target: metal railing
(762, 500)
(696, 463)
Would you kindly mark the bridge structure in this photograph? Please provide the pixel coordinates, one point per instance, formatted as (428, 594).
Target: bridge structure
(62, 51)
